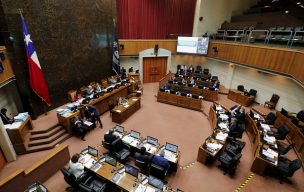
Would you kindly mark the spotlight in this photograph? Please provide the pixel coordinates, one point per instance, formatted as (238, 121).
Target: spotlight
(122, 46)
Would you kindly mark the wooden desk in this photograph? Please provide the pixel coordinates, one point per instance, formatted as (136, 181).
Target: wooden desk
(180, 101)
(201, 74)
(17, 136)
(120, 117)
(239, 97)
(136, 76)
(66, 121)
(40, 189)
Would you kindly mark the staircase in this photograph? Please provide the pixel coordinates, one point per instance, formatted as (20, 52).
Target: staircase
(46, 139)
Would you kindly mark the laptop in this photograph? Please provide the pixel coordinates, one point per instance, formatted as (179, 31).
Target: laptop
(93, 151)
(171, 147)
(155, 182)
(119, 128)
(132, 170)
(152, 140)
(135, 134)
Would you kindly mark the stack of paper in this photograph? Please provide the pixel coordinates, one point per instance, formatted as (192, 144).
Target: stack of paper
(170, 156)
(128, 139)
(224, 117)
(88, 123)
(135, 99)
(96, 167)
(118, 111)
(89, 163)
(62, 111)
(150, 189)
(269, 139)
(70, 106)
(126, 106)
(140, 188)
(221, 136)
(256, 116)
(214, 146)
(218, 108)
(21, 117)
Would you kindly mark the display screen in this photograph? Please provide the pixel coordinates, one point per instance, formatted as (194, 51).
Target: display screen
(152, 140)
(157, 183)
(93, 151)
(111, 160)
(131, 170)
(119, 128)
(171, 147)
(195, 45)
(135, 134)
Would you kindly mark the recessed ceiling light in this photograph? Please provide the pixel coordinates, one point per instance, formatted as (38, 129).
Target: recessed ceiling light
(286, 11)
(299, 3)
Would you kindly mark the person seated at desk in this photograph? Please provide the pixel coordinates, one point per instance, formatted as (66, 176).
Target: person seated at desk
(166, 86)
(131, 70)
(183, 81)
(89, 91)
(77, 124)
(77, 96)
(215, 84)
(161, 160)
(240, 117)
(5, 119)
(178, 72)
(112, 80)
(122, 100)
(184, 67)
(109, 137)
(173, 79)
(76, 167)
(186, 74)
(233, 109)
(192, 81)
(119, 79)
(97, 88)
(142, 156)
(93, 113)
(123, 72)
(233, 126)
(191, 68)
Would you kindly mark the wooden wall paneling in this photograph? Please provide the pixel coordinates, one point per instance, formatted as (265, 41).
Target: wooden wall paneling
(160, 63)
(280, 61)
(8, 70)
(256, 57)
(297, 69)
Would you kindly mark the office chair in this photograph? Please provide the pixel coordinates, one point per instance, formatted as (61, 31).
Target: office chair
(120, 150)
(91, 185)
(270, 118)
(143, 166)
(214, 78)
(204, 79)
(71, 179)
(234, 148)
(282, 149)
(300, 115)
(240, 88)
(282, 132)
(158, 172)
(198, 76)
(230, 163)
(107, 146)
(206, 70)
(169, 87)
(187, 91)
(176, 88)
(273, 101)
(198, 68)
(238, 133)
(253, 92)
(287, 170)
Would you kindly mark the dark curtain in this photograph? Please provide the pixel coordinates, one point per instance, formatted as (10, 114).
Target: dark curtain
(154, 19)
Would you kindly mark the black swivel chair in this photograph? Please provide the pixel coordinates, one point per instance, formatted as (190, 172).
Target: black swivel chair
(107, 146)
(240, 88)
(238, 133)
(234, 148)
(214, 78)
(120, 150)
(283, 148)
(270, 118)
(187, 91)
(230, 163)
(91, 185)
(176, 88)
(158, 172)
(169, 87)
(203, 84)
(143, 166)
(198, 68)
(287, 170)
(198, 76)
(206, 70)
(204, 79)
(282, 132)
(253, 92)
(71, 179)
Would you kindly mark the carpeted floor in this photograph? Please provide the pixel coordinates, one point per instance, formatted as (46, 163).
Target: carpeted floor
(186, 128)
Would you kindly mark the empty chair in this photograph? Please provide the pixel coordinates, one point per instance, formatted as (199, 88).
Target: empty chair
(276, 38)
(91, 185)
(230, 163)
(253, 92)
(270, 118)
(158, 172)
(198, 76)
(143, 166)
(261, 37)
(237, 133)
(287, 170)
(235, 147)
(176, 88)
(296, 38)
(120, 150)
(214, 78)
(281, 133)
(71, 179)
(283, 148)
(198, 68)
(273, 101)
(300, 115)
(240, 88)
(251, 28)
(206, 70)
(285, 38)
(187, 91)
(204, 79)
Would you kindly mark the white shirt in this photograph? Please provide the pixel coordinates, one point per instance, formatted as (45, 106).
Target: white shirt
(76, 168)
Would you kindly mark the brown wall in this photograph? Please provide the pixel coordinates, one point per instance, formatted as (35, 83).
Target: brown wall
(8, 70)
(154, 68)
(73, 41)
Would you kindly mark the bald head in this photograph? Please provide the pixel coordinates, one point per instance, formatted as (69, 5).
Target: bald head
(162, 153)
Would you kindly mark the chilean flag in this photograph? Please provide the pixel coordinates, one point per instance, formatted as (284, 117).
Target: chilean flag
(36, 76)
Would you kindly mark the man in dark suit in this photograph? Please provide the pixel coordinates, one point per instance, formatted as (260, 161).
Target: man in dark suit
(109, 138)
(233, 125)
(191, 68)
(192, 81)
(5, 119)
(178, 72)
(119, 79)
(215, 84)
(94, 114)
(186, 74)
(77, 125)
(143, 157)
(233, 109)
(240, 117)
(174, 79)
(166, 86)
(161, 160)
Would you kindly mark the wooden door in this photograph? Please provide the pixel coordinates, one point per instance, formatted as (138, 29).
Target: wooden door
(2, 160)
(154, 68)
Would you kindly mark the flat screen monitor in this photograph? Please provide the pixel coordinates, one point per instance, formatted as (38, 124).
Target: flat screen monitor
(170, 81)
(211, 88)
(111, 160)
(184, 94)
(181, 70)
(251, 114)
(157, 183)
(128, 80)
(135, 134)
(195, 96)
(162, 89)
(206, 72)
(172, 92)
(180, 83)
(201, 86)
(109, 89)
(86, 100)
(92, 151)
(190, 85)
(176, 75)
(189, 70)
(195, 45)
(119, 128)
(284, 112)
(171, 147)
(197, 71)
(152, 140)
(132, 170)
(117, 86)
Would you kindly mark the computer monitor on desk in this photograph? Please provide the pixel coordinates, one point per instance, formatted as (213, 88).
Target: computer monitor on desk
(211, 88)
(157, 183)
(180, 83)
(183, 94)
(135, 134)
(162, 89)
(111, 160)
(189, 70)
(284, 112)
(251, 114)
(190, 85)
(117, 86)
(152, 140)
(110, 89)
(86, 100)
(195, 96)
(92, 151)
(132, 170)
(178, 190)
(171, 147)
(119, 128)
(170, 81)
(172, 92)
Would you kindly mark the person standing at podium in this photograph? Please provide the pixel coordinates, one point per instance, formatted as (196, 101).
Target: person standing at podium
(5, 119)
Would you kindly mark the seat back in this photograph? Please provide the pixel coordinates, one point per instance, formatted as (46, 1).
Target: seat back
(117, 145)
(176, 88)
(106, 145)
(140, 164)
(197, 75)
(300, 115)
(283, 131)
(169, 86)
(270, 118)
(85, 188)
(253, 92)
(204, 79)
(203, 83)
(240, 88)
(214, 77)
(198, 67)
(206, 70)
(68, 176)
(288, 148)
(157, 171)
(275, 98)
(240, 147)
(187, 91)
(293, 166)
(235, 159)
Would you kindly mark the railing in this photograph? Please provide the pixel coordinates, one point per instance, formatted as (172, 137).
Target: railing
(165, 79)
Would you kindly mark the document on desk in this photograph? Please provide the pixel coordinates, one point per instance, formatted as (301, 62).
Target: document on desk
(150, 148)
(88, 123)
(8, 126)
(15, 125)
(256, 116)
(140, 188)
(96, 167)
(118, 111)
(85, 158)
(223, 116)
(170, 156)
(89, 163)
(214, 146)
(126, 106)
(269, 138)
(134, 99)
(219, 108)
(134, 143)
(150, 189)
(265, 126)
(221, 136)
(128, 139)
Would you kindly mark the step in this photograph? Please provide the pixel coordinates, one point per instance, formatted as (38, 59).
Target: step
(46, 135)
(48, 146)
(47, 140)
(33, 132)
